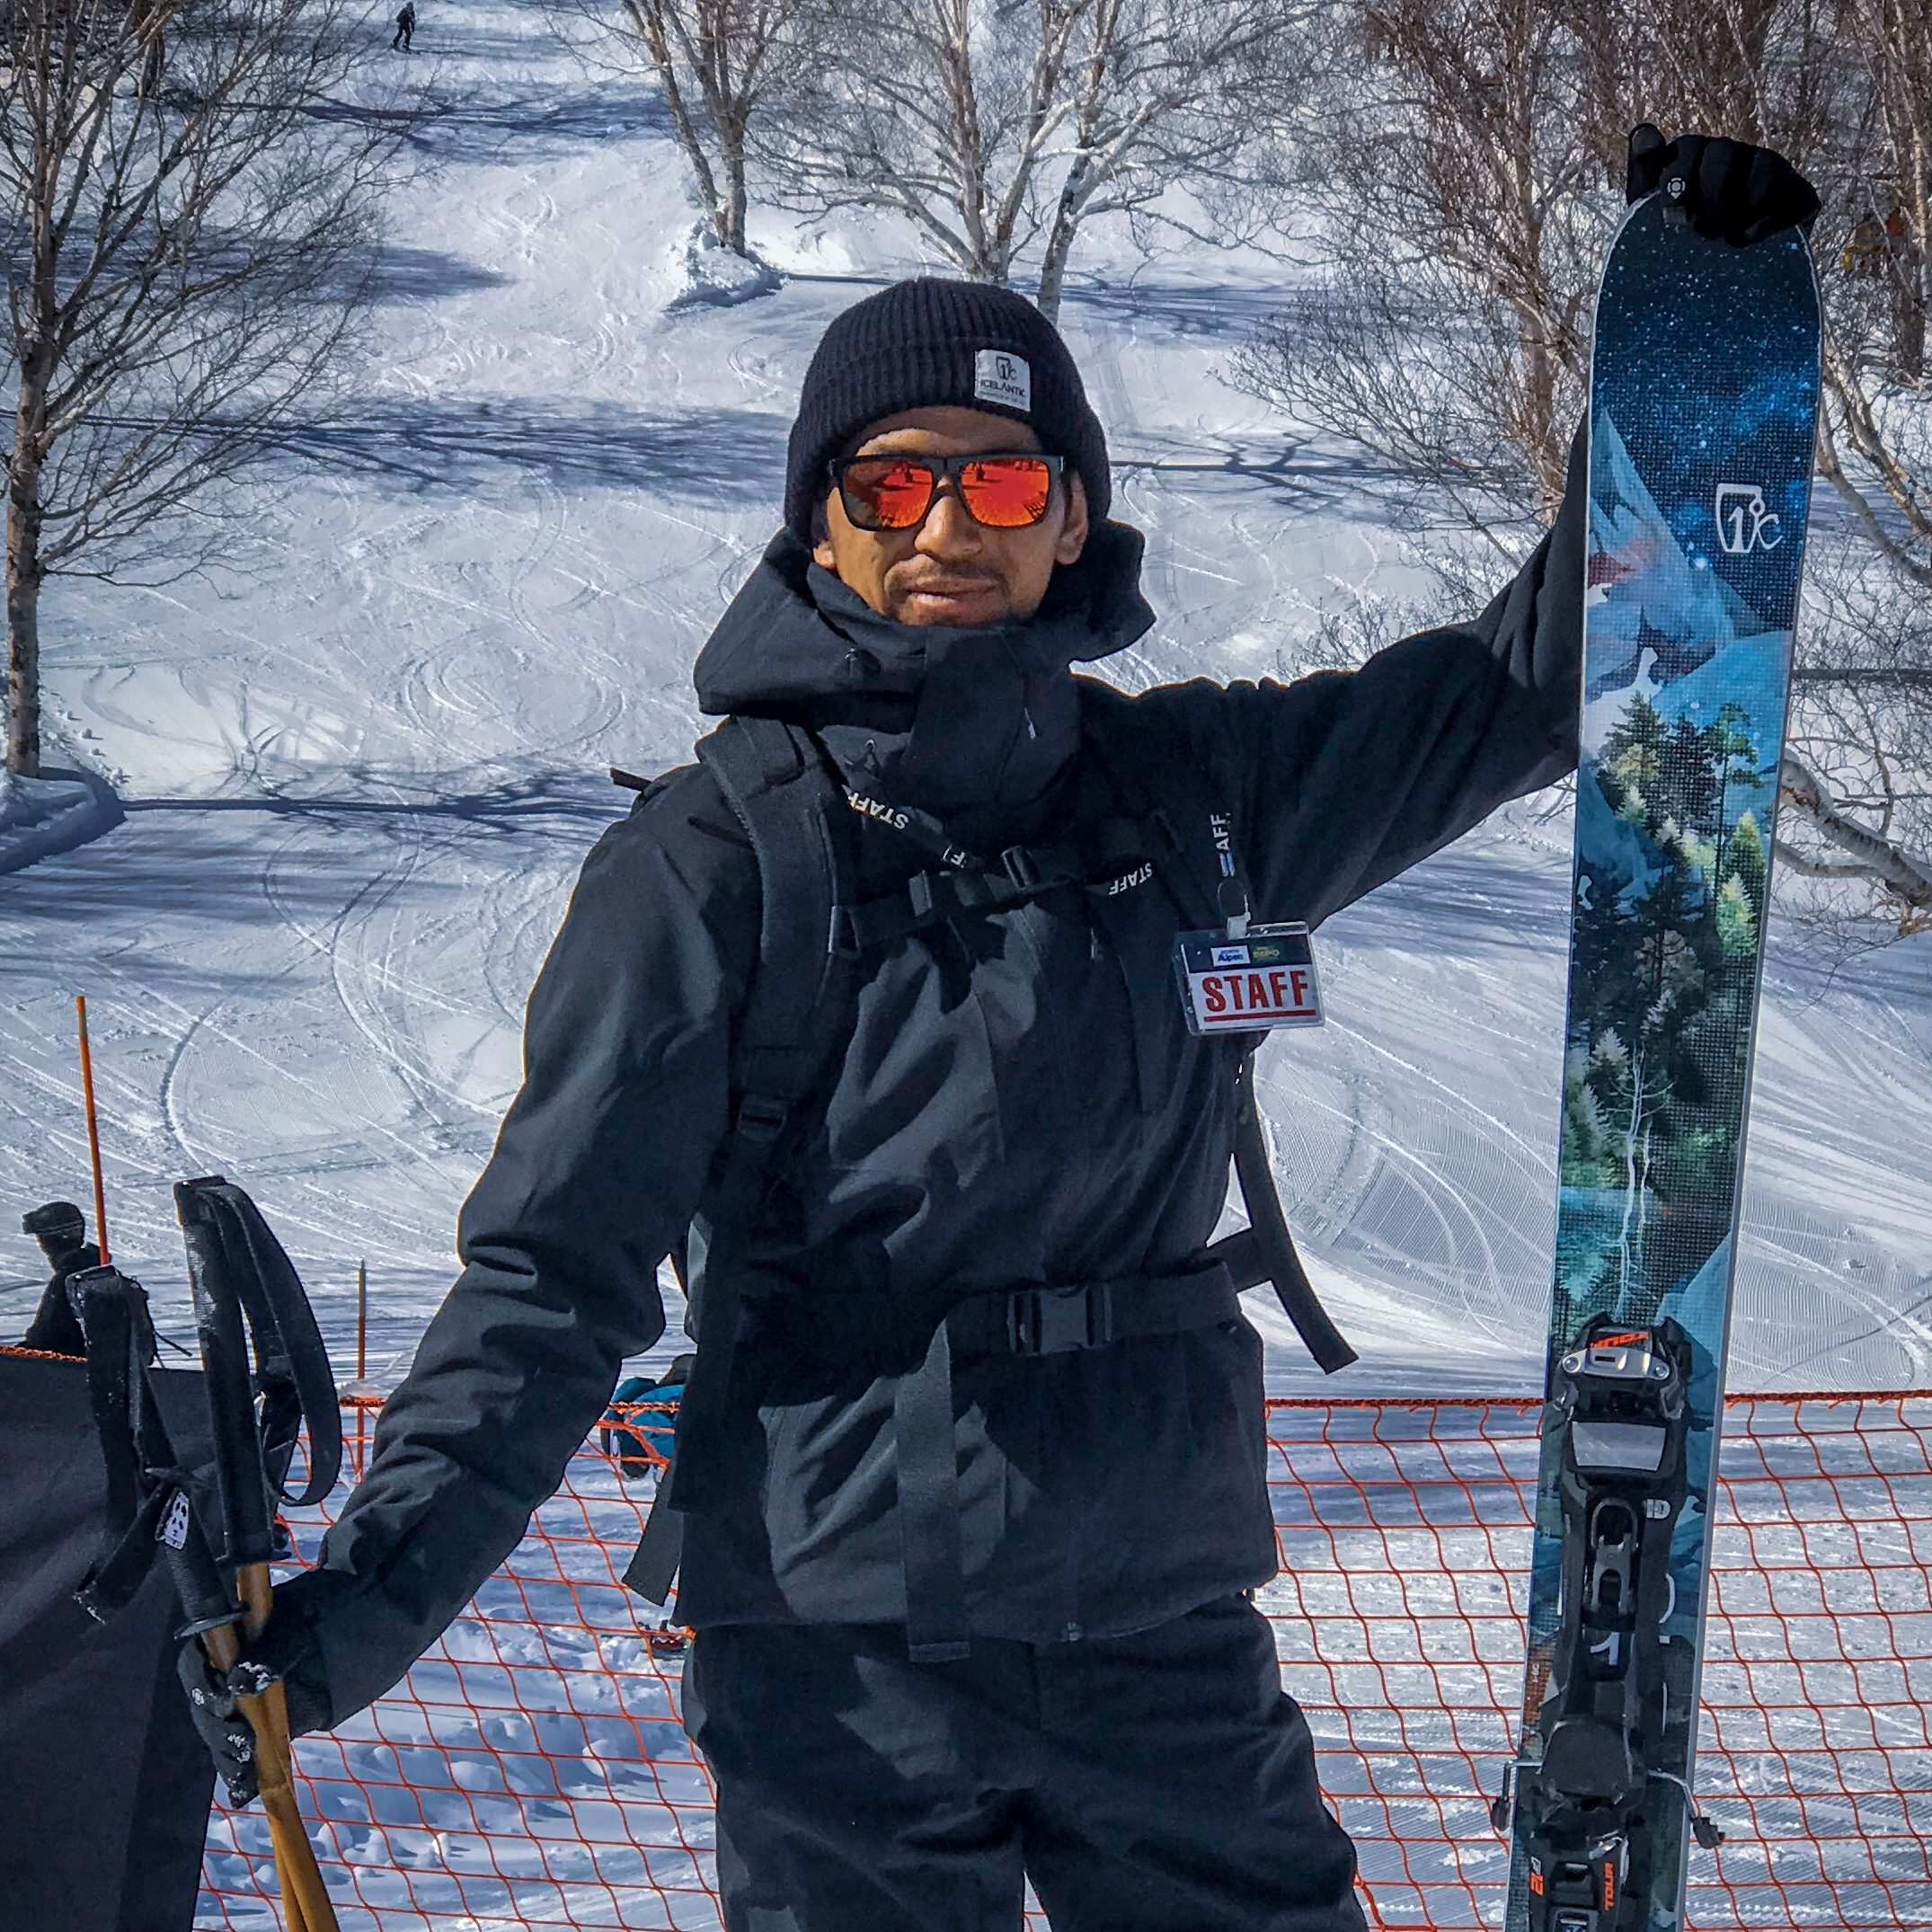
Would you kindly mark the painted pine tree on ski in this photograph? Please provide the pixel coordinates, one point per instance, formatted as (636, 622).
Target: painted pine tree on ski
(1702, 411)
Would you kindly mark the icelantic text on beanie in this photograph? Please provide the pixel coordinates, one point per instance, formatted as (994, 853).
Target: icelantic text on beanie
(927, 345)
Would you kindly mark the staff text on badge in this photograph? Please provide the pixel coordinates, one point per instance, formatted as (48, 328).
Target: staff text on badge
(1264, 978)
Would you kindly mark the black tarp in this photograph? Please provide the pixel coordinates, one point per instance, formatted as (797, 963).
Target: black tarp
(104, 1786)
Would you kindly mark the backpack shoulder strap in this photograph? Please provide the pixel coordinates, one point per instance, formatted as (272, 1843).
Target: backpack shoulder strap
(1163, 777)
(775, 778)
(794, 1023)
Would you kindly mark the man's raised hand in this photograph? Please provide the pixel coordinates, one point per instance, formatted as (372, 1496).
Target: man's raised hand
(1731, 190)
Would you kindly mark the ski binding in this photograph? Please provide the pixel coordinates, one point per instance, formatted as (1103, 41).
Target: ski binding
(1620, 1399)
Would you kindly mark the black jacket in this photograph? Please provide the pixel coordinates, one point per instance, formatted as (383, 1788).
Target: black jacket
(1020, 1103)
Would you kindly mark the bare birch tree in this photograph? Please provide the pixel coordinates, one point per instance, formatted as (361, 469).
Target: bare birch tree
(189, 226)
(719, 64)
(998, 126)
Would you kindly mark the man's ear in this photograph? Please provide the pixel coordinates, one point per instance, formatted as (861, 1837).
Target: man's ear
(1074, 531)
(822, 552)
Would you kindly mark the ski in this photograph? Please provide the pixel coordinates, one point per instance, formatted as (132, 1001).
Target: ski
(1704, 397)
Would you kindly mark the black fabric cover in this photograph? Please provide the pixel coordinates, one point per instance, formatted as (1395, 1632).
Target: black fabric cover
(106, 1786)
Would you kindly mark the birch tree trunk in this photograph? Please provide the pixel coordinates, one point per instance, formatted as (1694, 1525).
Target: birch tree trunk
(1060, 237)
(27, 463)
(23, 578)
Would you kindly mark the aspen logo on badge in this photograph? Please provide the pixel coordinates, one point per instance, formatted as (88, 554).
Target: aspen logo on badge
(1265, 979)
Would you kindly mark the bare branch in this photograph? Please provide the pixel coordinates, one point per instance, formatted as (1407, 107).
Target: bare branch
(188, 231)
(1905, 878)
(1000, 127)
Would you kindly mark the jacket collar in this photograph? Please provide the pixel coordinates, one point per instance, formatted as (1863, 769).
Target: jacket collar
(975, 724)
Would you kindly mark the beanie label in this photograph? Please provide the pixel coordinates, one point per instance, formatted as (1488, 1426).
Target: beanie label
(1003, 377)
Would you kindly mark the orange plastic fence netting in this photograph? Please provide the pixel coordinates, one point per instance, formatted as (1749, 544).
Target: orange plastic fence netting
(532, 1772)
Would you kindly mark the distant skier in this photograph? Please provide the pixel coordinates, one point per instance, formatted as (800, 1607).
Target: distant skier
(971, 1464)
(405, 28)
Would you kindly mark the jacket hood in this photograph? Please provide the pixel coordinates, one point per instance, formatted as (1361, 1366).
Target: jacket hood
(795, 636)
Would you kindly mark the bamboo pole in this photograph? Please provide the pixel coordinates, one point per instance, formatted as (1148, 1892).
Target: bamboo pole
(305, 1898)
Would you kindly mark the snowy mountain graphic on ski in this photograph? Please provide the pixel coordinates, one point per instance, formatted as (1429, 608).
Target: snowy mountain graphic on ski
(1674, 634)
(1703, 416)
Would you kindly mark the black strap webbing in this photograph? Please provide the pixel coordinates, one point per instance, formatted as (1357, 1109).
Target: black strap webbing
(1022, 1321)
(1273, 1243)
(1089, 1314)
(150, 1500)
(926, 1454)
(1267, 1236)
(792, 1022)
(247, 1297)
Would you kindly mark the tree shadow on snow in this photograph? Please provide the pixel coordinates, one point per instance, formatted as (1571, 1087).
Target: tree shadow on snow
(1303, 475)
(731, 453)
(423, 274)
(480, 126)
(1185, 308)
(202, 859)
(507, 806)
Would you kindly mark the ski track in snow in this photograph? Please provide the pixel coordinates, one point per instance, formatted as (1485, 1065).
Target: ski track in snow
(364, 769)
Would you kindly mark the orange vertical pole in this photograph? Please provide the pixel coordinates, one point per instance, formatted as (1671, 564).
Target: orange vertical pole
(93, 1127)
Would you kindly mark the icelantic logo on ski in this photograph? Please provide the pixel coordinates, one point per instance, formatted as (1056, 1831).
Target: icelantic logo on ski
(1260, 981)
(1745, 522)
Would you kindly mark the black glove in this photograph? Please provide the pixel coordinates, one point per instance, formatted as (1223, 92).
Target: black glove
(287, 1649)
(1732, 193)
(211, 1703)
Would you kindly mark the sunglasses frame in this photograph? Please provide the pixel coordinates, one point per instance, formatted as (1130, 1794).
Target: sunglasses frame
(944, 469)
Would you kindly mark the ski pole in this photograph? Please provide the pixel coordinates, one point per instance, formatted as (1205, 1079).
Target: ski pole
(150, 1511)
(237, 1269)
(198, 1582)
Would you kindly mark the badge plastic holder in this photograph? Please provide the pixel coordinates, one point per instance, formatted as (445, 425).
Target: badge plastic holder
(1253, 979)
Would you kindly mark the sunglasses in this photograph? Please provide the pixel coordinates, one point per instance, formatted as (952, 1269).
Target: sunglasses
(892, 493)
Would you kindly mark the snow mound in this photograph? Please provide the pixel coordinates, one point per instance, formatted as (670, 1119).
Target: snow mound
(55, 813)
(717, 277)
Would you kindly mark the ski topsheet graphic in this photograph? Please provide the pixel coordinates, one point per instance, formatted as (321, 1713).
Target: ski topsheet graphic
(1704, 392)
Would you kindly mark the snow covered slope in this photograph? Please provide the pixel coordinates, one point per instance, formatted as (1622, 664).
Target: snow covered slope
(360, 774)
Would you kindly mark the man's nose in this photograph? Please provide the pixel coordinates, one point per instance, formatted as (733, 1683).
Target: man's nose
(947, 531)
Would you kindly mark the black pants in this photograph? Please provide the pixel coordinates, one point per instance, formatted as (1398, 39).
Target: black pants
(1162, 1782)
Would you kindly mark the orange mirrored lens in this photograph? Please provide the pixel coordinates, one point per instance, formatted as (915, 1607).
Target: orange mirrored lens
(887, 493)
(1007, 493)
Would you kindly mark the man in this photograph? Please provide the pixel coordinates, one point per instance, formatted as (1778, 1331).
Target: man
(920, 1682)
(406, 29)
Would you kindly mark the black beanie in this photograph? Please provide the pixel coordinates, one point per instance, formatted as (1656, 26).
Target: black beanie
(928, 343)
